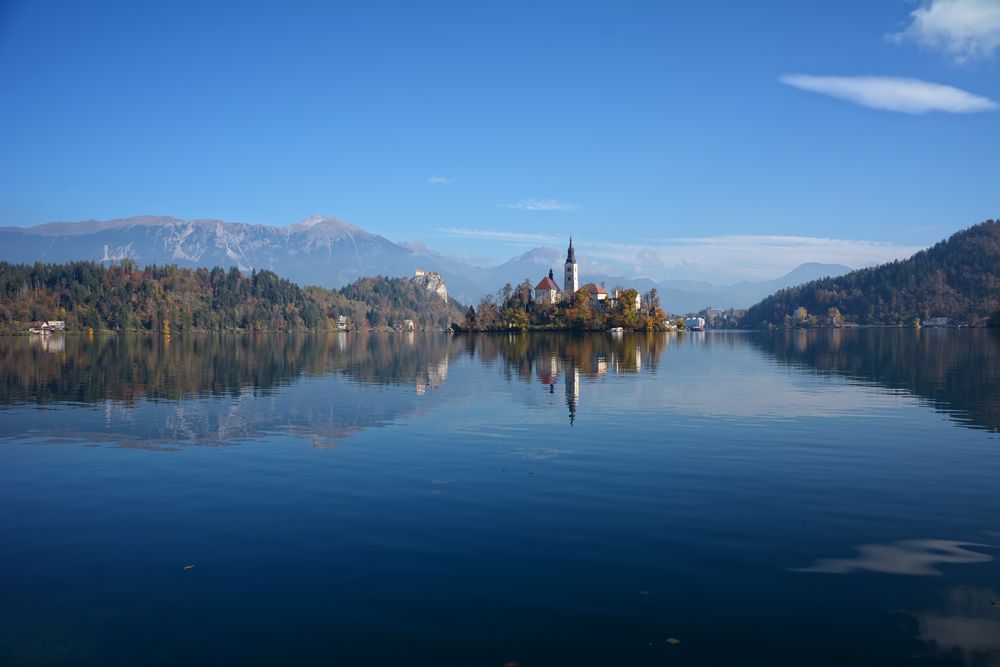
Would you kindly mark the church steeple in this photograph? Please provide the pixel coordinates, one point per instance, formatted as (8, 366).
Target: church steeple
(571, 272)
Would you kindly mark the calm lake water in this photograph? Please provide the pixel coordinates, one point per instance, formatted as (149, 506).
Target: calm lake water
(809, 498)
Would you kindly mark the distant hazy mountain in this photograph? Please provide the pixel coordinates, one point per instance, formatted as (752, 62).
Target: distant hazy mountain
(688, 296)
(532, 265)
(959, 279)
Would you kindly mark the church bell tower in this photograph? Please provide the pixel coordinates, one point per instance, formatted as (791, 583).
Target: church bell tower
(571, 274)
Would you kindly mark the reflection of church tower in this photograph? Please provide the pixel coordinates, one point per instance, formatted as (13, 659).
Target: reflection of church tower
(572, 391)
(571, 275)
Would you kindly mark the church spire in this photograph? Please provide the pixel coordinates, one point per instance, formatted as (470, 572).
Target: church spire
(571, 272)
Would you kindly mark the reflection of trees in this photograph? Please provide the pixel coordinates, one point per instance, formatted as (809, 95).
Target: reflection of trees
(127, 368)
(957, 371)
(529, 355)
(326, 384)
(564, 358)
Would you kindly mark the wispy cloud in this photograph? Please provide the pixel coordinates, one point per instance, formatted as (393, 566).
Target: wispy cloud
(542, 205)
(440, 180)
(963, 29)
(893, 94)
(498, 235)
(716, 259)
(720, 259)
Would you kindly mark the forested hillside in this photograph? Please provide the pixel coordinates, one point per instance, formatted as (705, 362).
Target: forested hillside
(958, 278)
(124, 297)
(389, 300)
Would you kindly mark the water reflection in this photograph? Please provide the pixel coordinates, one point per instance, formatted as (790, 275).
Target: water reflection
(554, 359)
(957, 371)
(969, 625)
(126, 373)
(129, 368)
(553, 476)
(325, 388)
(907, 557)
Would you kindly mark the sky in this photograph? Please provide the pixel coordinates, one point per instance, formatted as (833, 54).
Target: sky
(726, 139)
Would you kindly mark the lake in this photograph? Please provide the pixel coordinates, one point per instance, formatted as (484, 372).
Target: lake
(791, 498)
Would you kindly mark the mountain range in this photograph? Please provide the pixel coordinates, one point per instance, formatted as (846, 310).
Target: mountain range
(331, 253)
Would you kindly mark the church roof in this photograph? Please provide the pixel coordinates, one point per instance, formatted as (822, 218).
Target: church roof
(594, 288)
(571, 254)
(547, 283)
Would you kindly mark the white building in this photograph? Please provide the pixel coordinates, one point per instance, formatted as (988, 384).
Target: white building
(694, 324)
(546, 291)
(598, 295)
(571, 272)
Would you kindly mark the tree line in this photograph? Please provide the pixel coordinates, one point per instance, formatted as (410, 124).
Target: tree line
(123, 297)
(513, 308)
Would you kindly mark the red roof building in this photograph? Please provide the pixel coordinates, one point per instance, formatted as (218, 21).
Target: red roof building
(546, 283)
(546, 291)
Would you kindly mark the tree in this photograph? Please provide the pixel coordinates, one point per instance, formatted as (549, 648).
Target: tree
(651, 301)
(579, 315)
(470, 318)
(487, 314)
(626, 314)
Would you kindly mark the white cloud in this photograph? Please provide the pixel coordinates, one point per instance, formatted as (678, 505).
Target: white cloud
(963, 29)
(893, 94)
(498, 235)
(907, 557)
(542, 205)
(440, 180)
(720, 259)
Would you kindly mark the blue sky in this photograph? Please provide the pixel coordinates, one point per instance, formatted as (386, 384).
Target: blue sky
(657, 133)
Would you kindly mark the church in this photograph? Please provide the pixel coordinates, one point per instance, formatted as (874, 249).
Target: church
(547, 291)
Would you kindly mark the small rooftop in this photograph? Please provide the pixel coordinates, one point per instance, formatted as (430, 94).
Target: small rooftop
(547, 283)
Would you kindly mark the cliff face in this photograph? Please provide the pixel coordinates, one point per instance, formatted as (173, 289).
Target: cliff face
(432, 282)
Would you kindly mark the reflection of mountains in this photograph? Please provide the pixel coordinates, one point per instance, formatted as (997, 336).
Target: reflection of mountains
(958, 372)
(218, 390)
(80, 370)
(149, 391)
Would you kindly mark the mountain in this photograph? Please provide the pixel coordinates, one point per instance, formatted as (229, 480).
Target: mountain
(531, 265)
(331, 253)
(959, 278)
(319, 251)
(690, 296)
